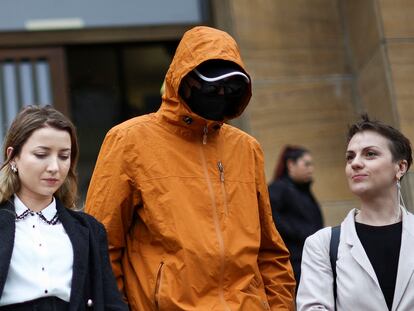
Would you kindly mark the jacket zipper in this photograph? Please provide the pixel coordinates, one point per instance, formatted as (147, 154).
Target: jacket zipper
(205, 132)
(217, 227)
(223, 188)
(265, 305)
(254, 290)
(158, 286)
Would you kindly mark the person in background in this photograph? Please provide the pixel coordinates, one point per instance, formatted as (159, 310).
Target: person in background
(295, 210)
(375, 260)
(183, 195)
(51, 256)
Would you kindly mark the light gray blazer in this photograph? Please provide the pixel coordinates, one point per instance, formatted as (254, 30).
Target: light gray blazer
(357, 285)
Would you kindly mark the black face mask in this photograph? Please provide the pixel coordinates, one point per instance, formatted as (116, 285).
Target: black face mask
(217, 100)
(208, 107)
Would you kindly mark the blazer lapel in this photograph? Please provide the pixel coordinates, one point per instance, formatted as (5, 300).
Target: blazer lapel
(7, 232)
(406, 260)
(357, 250)
(79, 236)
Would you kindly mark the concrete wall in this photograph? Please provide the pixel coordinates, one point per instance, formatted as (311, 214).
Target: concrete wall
(380, 41)
(316, 65)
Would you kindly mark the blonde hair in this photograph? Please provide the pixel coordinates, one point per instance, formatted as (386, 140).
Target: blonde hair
(27, 121)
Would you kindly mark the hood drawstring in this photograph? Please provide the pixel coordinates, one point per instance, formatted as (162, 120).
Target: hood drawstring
(205, 132)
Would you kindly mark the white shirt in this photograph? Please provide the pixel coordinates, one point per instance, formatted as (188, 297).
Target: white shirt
(42, 259)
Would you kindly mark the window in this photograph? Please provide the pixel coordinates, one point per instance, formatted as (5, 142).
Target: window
(30, 77)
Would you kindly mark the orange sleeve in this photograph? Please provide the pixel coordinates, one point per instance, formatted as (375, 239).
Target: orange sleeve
(273, 259)
(112, 197)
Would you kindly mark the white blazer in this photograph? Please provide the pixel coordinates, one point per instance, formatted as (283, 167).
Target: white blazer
(357, 284)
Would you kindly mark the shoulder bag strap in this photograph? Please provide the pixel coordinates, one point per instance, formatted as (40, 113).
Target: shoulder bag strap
(333, 254)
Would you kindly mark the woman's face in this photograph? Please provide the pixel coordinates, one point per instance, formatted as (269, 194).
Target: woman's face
(302, 170)
(370, 168)
(43, 163)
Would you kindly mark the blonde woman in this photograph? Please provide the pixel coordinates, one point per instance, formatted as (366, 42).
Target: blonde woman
(51, 256)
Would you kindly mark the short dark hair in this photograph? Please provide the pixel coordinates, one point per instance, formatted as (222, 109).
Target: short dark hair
(289, 152)
(400, 145)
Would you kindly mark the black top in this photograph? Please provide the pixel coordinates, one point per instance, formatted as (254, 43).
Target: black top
(296, 214)
(382, 245)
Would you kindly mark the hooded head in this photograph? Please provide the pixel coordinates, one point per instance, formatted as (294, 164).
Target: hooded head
(209, 57)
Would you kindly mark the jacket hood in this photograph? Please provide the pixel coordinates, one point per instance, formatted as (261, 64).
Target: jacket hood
(198, 45)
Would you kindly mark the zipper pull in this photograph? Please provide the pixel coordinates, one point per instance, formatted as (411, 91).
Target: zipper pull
(205, 132)
(221, 170)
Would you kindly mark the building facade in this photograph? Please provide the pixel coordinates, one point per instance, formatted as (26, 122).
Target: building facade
(316, 65)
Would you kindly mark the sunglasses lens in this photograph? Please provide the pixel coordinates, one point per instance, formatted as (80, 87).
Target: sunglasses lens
(234, 90)
(235, 87)
(208, 88)
(229, 87)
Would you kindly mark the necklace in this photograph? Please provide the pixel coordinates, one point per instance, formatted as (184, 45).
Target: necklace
(28, 212)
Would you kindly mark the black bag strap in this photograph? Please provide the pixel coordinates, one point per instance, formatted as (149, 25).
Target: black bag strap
(333, 255)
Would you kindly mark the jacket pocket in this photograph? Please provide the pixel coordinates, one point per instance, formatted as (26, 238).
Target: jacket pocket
(158, 283)
(255, 289)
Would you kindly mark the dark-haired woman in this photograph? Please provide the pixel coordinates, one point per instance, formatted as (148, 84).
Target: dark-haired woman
(295, 211)
(375, 260)
(51, 256)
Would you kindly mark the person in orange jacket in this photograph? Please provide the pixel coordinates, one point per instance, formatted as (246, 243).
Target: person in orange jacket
(183, 195)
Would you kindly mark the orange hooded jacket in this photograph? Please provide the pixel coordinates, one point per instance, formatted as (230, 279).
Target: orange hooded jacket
(185, 204)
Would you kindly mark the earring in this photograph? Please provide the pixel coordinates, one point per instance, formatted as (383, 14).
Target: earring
(13, 168)
(400, 198)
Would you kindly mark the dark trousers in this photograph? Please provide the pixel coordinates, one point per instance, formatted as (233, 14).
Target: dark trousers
(41, 304)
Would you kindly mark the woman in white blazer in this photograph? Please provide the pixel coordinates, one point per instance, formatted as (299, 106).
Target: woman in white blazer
(375, 261)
